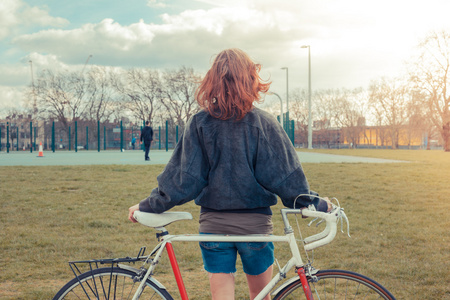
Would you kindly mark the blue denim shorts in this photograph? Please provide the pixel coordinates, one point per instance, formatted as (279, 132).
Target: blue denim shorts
(220, 257)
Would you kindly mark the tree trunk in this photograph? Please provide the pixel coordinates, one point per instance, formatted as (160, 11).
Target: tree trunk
(446, 136)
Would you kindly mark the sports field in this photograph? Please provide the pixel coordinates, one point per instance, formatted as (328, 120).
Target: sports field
(399, 215)
(136, 157)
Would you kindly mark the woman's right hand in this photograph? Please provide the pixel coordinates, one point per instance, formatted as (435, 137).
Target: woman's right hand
(330, 206)
(131, 211)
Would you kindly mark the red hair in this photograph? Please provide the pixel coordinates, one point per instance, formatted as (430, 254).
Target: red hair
(231, 85)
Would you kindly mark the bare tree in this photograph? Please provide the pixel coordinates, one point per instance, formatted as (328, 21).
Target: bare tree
(325, 102)
(349, 114)
(418, 121)
(60, 96)
(179, 94)
(14, 122)
(390, 99)
(431, 76)
(100, 95)
(140, 90)
(298, 111)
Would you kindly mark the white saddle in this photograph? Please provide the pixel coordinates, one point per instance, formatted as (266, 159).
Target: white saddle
(160, 220)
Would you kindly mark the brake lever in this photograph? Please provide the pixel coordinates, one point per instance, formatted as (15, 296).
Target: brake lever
(343, 217)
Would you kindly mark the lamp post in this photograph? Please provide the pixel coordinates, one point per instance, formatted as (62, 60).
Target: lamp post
(287, 127)
(309, 97)
(281, 107)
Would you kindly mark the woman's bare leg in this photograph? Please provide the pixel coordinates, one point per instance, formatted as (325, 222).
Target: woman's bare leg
(257, 282)
(222, 286)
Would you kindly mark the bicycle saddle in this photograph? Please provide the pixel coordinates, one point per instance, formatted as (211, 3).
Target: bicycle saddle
(160, 220)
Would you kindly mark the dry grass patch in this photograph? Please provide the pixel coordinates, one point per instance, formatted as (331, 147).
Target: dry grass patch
(399, 216)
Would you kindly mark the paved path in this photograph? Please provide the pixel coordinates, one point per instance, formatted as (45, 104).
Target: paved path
(136, 157)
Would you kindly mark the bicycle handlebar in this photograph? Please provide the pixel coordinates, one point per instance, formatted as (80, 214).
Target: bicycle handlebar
(327, 235)
(331, 218)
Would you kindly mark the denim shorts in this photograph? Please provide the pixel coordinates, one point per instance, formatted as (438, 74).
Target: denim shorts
(220, 257)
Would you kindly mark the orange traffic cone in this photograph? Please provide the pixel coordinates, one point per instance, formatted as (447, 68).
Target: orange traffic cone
(41, 151)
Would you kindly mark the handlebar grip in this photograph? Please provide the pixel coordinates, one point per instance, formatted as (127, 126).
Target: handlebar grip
(327, 235)
(327, 239)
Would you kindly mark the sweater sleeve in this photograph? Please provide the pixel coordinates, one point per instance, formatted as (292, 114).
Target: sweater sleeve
(183, 178)
(278, 169)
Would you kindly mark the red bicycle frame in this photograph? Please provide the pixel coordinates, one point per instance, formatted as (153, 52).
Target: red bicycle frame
(176, 271)
(182, 289)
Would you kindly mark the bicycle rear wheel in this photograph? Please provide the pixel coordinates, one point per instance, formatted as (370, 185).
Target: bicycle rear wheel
(109, 283)
(337, 284)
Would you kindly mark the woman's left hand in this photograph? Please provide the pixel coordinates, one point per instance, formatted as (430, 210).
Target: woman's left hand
(131, 211)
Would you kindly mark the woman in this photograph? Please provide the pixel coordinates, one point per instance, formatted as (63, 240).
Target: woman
(233, 159)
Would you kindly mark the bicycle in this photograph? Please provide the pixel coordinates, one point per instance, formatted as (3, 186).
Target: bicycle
(121, 281)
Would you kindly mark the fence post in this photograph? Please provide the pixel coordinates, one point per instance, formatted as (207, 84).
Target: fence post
(104, 137)
(87, 137)
(0, 139)
(34, 144)
(31, 137)
(159, 137)
(17, 138)
(76, 136)
(121, 136)
(7, 137)
(142, 144)
(167, 135)
(98, 138)
(293, 132)
(53, 136)
(69, 139)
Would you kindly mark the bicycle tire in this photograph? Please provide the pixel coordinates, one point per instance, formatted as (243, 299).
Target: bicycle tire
(337, 284)
(109, 283)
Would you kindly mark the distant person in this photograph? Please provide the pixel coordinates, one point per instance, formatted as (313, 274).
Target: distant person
(233, 159)
(147, 138)
(133, 142)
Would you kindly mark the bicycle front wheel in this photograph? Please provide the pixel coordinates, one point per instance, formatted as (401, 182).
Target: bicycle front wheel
(109, 283)
(337, 284)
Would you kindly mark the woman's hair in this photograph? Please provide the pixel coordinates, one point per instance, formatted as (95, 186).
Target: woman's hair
(231, 85)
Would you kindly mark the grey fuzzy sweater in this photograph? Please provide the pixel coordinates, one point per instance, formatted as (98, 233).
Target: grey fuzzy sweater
(232, 166)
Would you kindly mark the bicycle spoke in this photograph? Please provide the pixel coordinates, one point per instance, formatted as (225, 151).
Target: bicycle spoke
(72, 292)
(338, 285)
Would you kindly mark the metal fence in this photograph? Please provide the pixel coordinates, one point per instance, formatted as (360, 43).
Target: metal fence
(82, 136)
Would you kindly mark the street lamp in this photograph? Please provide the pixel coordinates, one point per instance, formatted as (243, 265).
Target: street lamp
(309, 97)
(87, 60)
(288, 129)
(281, 102)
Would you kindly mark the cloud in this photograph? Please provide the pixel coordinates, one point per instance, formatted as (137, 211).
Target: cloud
(351, 41)
(157, 3)
(191, 36)
(11, 97)
(16, 15)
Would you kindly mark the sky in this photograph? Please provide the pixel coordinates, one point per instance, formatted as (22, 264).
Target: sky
(351, 41)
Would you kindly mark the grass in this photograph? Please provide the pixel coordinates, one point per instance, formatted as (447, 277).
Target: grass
(399, 217)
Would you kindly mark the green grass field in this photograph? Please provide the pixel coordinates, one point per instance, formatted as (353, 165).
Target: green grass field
(399, 215)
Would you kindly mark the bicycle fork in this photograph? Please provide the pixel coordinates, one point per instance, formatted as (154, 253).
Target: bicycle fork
(305, 285)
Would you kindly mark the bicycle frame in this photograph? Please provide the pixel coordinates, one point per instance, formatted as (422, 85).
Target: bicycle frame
(296, 261)
(166, 243)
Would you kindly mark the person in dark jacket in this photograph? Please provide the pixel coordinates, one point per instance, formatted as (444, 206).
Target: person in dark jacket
(147, 137)
(233, 160)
